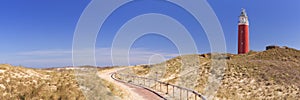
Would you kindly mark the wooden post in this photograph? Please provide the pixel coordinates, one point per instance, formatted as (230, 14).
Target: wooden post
(155, 75)
(149, 83)
(155, 85)
(187, 95)
(132, 80)
(139, 82)
(160, 87)
(167, 88)
(137, 79)
(180, 94)
(144, 82)
(173, 91)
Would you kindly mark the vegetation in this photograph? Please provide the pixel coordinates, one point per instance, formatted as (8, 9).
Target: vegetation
(19, 83)
(270, 74)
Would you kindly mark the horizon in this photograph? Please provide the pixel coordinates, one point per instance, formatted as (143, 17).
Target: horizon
(125, 65)
(39, 34)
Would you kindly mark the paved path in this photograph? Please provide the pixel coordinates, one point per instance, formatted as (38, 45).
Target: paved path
(136, 93)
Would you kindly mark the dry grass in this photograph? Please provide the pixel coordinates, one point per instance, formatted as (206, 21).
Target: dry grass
(22, 83)
(271, 74)
(19, 83)
(141, 70)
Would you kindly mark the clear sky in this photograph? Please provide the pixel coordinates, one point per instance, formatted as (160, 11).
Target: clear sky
(39, 33)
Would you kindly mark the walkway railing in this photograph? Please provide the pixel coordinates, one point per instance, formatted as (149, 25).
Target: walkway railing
(174, 91)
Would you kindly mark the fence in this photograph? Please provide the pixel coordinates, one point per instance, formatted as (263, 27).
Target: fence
(175, 92)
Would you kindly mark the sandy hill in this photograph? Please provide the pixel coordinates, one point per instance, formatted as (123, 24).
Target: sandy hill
(19, 83)
(270, 74)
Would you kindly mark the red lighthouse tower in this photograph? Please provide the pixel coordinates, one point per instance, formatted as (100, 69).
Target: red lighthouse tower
(243, 33)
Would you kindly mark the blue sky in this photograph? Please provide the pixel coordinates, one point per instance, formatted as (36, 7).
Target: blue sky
(37, 33)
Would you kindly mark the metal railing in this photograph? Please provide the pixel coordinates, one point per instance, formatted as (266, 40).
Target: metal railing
(174, 91)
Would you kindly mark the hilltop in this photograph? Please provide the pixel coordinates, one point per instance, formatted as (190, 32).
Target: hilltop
(19, 83)
(270, 74)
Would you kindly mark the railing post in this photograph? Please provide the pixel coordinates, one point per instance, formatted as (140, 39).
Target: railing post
(149, 83)
(167, 88)
(144, 82)
(160, 86)
(132, 79)
(173, 91)
(138, 80)
(187, 95)
(155, 85)
(180, 94)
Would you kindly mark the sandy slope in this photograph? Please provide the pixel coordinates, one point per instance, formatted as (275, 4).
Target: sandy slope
(135, 92)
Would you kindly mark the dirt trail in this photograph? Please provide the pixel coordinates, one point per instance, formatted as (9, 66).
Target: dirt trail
(136, 93)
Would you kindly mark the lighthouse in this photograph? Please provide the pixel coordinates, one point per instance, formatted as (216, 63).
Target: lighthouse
(243, 33)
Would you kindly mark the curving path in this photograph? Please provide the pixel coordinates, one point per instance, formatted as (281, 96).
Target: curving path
(137, 93)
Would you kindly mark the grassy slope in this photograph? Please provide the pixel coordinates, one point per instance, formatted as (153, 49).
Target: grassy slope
(34, 84)
(22, 83)
(271, 74)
